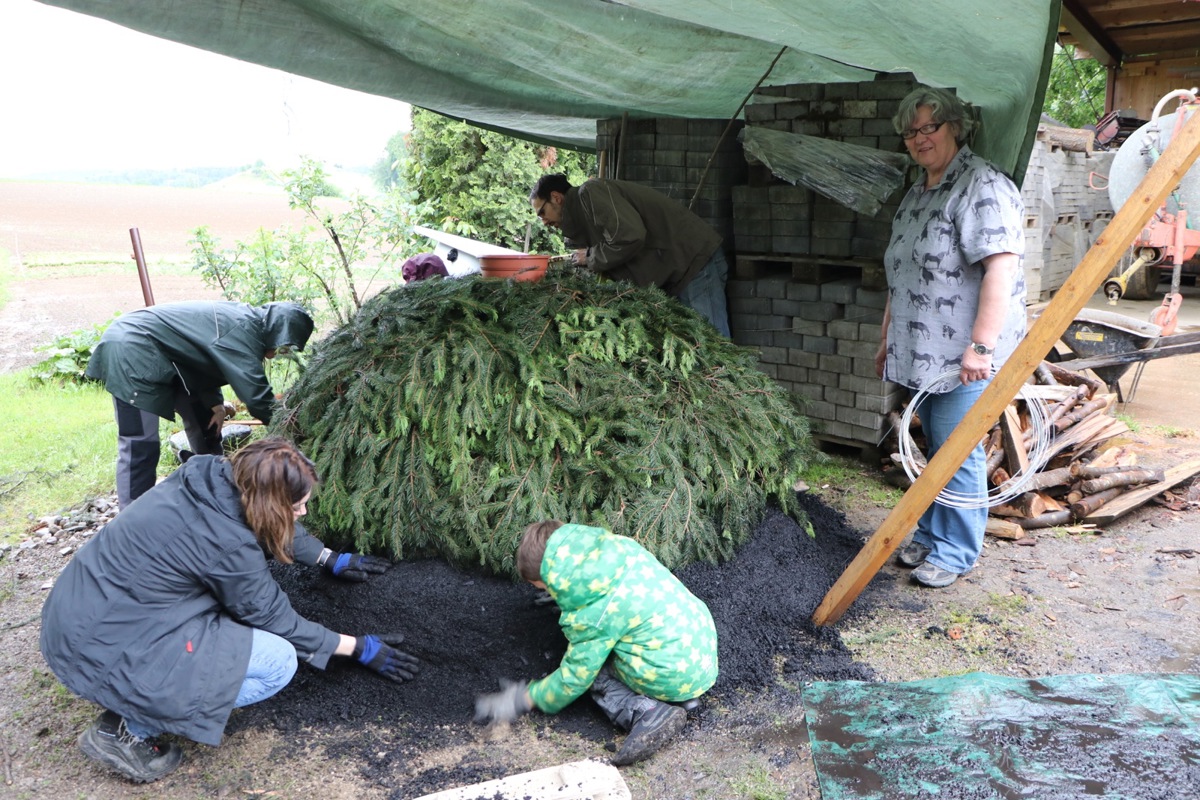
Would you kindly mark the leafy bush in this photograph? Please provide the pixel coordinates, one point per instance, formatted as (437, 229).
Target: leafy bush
(449, 414)
(476, 182)
(68, 356)
(327, 267)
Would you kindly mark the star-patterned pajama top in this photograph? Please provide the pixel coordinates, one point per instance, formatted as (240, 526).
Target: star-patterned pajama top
(617, 599)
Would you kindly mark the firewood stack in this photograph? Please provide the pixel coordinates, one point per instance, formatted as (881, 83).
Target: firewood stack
(1075, 480)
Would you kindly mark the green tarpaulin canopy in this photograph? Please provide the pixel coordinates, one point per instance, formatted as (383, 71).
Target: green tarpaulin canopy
(548, 70)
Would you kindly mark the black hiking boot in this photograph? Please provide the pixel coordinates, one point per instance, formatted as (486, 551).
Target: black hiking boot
(108, 741)
(652, 728)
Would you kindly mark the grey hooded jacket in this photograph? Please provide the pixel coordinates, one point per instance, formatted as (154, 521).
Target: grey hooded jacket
(145, 354)
(153, 617)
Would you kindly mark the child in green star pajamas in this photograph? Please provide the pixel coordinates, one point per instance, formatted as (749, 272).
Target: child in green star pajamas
(637, 638)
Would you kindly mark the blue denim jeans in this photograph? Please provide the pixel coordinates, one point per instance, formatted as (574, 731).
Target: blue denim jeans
(706, 292)
(272, 665)
(954, 536)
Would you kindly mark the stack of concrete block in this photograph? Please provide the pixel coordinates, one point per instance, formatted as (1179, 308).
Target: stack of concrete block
(1063, 214)
(675, 156)
(819, 340)
(773, 219)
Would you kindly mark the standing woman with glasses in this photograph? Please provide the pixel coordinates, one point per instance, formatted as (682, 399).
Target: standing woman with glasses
(169, 617)
(955, 310)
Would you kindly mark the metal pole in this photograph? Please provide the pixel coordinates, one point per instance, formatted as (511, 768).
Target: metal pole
(143, 274)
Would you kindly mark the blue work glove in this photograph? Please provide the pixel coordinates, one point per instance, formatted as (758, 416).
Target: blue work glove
(505, 705)
(353, 567)
(376, 651)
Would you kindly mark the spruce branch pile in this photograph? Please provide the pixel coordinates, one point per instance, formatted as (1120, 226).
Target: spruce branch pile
(449, 414)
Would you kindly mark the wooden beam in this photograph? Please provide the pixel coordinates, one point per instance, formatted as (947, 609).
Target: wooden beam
(1089, 33)
(1087, 277)
(1016, 457)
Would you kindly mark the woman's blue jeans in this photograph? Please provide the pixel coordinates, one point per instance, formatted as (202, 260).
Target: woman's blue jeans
(272, 665)
(954, 536)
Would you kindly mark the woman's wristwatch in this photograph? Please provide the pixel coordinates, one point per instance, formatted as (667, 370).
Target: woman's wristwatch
(982, 349)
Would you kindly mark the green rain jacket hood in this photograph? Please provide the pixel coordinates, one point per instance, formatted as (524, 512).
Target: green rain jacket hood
(617, 600)
(202, 346)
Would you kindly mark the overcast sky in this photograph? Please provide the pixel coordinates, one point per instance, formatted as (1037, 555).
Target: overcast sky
(82, 93)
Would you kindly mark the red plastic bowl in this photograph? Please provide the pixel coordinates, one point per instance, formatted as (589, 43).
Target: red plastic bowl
(518, 266)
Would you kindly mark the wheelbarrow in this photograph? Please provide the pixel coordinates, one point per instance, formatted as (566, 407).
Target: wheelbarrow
(1109, 344)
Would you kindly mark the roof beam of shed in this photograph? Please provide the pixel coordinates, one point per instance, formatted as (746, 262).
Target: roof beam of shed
(1090, 35)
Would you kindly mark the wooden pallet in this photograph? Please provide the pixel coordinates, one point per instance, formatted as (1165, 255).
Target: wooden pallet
(839, 445)
(809, 269)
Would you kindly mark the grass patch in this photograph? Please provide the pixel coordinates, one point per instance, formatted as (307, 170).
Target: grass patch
(1170, 432)
(839, 479)
(1129, 420)
(756, 784)
(49, 265)
(57, 449)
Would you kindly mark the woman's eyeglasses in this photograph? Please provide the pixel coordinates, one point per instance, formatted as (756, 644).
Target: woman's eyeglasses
(924, 130)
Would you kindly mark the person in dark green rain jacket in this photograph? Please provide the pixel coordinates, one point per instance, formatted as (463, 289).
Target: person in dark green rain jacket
(174, 358)
(637, 638)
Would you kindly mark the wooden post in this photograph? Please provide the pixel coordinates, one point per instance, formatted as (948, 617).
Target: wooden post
(1163, 177)
(135, 236)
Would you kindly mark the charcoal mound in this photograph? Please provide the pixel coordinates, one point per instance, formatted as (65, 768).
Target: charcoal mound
(470, 629)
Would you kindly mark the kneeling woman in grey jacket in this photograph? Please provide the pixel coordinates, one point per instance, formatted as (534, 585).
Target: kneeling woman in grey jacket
(169, 618)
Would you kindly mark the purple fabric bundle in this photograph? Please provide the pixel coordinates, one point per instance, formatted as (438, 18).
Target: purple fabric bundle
(426, 265)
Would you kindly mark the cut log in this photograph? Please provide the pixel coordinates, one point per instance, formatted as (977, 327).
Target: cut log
(1117, 479)
(905, 436)
(1051, 503)
(1077, 140)
(1044, 375)
(1095, 406)
(1016, 458)
(1077, 396)
(1136, 497)
(1028, 505)
(1091, 502)
(1089, 471)
(1052, 477)
(1064, 375)
(1048, 520)
(1004, 529)
(995, 453)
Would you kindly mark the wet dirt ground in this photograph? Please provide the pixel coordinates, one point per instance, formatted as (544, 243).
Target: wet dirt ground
(1112, 600)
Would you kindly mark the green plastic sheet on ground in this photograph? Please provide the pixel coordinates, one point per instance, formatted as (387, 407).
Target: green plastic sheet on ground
(1121, 737)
